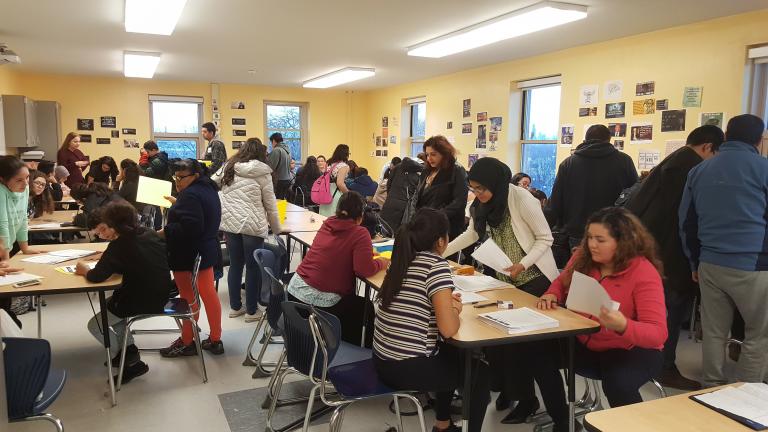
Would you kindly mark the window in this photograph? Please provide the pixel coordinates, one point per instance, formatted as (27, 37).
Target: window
(418, 125)
(757, 96)
(541, 116)
(289, 119)
(175, 123)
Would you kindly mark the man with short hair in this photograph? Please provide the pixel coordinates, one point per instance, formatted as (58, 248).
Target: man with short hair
(588, 180)
(656, 203)
(215, 152)
(155, 164)
(724, 231)
(280, 161)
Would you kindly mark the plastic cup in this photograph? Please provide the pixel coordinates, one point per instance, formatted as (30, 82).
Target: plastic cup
(282, 208)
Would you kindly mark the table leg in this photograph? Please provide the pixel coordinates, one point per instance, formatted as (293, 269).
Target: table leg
(365, 313)
(39, 318)
(288, 246)
(571, 385)
(105, 333)
(465, 399)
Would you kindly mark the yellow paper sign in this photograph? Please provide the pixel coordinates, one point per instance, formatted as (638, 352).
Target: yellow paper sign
(282, 208)
(152, 191)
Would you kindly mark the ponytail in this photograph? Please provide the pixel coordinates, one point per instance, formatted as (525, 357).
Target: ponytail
(419, 235)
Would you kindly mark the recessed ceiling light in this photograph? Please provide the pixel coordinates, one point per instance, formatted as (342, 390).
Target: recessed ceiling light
(140, 64)
(339, 77)
(152, 16)
(530, 19)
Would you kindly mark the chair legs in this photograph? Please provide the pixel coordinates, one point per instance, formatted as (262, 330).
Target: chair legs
(662, 392)
(47, 417)
(249, 359)
(275, 395)
(196, 335)
(337, 418)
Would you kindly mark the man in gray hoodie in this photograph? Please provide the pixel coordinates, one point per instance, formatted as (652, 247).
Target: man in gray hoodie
(280, 162)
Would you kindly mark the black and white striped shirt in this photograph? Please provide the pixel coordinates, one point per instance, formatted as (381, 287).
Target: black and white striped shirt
(408, 327)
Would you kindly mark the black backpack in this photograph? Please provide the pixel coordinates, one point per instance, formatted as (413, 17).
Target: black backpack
(626, 195)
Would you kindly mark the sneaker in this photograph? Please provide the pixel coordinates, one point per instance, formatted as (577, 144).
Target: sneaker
(673, 378)
(451, 428)
(131, 356)
(133, 371)
(254, 317)
(214, 347)
(178, 349)
(237, 313)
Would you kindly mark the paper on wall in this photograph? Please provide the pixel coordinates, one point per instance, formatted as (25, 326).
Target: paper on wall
(672, 146)
(491, 255)
(587, 295)
(647, 159)
(152, 191)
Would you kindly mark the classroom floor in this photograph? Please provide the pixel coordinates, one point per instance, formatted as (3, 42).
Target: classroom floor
(172, 397)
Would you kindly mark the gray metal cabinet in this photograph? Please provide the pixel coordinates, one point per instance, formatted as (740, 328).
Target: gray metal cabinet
(48, 128)
(19, 119)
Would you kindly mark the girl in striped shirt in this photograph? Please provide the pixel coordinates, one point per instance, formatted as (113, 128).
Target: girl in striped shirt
(417, 310)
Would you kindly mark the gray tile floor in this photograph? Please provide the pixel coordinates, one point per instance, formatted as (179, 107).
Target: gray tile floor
(172, 397)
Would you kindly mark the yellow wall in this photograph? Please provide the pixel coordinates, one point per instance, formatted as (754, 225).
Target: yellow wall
(710, 54)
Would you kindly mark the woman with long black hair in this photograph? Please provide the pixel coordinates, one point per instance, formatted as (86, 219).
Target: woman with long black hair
(339, 169)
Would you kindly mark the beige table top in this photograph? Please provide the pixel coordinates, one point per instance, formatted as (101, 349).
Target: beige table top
(304, 237)
(673, 414)
(54, 282)
(295, 208)
(59, 216)
(303, 221)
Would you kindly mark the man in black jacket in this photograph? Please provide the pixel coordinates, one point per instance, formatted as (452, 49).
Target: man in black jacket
(656, 204)
(588, 180)
(403, 180)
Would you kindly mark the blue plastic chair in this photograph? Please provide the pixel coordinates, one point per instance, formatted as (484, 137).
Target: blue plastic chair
(313, 348)
(32, 386)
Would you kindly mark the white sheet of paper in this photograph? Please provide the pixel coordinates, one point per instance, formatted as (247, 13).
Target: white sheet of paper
(72, 253)
(152, 191)
(477, 283)
(587, 295)
(45, 259)
(749, 400)
(45, 226)
(471, 297)
(17, 277)
(490, 254)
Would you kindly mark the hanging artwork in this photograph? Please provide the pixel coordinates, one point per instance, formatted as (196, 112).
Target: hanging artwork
(482, 116)
(662, 104)
(85, 138)
(641, 133)
(643, 106)
(712, 118)
(645, 88)
(615, 110)
(612, 90)
(109, 122)
(587, 112)
(115, 134)
(85, 124)
(466, 128)
(238, 121)
(385, 122)
(466, 108)
(449, 125)
(481, 137)
(496, 124)
(618, 129)
(127, 131)
(588, 94)
(566, 135)
(238, 132)
(673, 120)
(103, 141)
(692, 97)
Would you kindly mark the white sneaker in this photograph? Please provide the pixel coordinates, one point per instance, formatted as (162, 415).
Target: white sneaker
(237, 313)
(255, 317)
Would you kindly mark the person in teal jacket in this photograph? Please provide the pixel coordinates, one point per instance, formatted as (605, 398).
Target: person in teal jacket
(14, 198)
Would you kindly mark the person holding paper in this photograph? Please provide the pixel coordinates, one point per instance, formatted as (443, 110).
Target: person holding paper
(626, 353)
(513, 219)
(416, 311)
(192, 230)
(248, 211)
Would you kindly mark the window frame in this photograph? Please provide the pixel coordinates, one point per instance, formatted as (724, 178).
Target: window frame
(416, 140)
(197, 137)
(303, 132)
(525, 109)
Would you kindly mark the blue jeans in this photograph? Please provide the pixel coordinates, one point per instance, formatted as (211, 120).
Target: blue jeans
(240, 248)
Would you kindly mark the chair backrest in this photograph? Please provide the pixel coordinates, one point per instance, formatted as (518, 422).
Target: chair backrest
(265, 259)
(276, 298)
(302, 351)
(195, 305)
(27, 364)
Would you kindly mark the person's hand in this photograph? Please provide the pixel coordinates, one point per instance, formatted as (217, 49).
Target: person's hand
(547, 301)
(82, 164)
(612, 319)
(515, 270)
(387, 261)
(695, 276)
(4, 255)
(170, 199)
(81, 268)
(119, 177)
(456, 302)
(94, 257)
(5, 270)
(29, 251)
(52, 178)
(161, 233)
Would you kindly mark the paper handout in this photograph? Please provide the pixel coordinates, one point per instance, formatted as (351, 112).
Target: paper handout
(15, 278)
(152, 191)
(587, 295)
(490, 254)
(477, 282)
(468, 297)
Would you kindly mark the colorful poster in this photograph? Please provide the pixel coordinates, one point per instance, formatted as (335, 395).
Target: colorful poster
(645, 88)
(466, 108)
(712, 118)
(496, 124)
(692, 97)
(481, 137)
(641, 133)
(612, 90)
(566, 135)
(466, 128)
(588, 112)
(643, 106)
(662, 104)
(615, 110)
(588, 94)
(673, 121)
(482, 116)
(618, 129)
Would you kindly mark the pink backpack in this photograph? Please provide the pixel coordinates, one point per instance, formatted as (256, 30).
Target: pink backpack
(321, 188)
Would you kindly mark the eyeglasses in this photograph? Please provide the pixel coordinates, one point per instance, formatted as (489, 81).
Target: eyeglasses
(478, 190)
(39, 184)
(180, 178)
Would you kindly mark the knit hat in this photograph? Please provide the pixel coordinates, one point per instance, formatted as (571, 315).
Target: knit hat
(60, 172)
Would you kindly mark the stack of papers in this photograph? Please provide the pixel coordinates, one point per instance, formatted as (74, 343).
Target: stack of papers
(468, 297)
(746, 404)
(478, 282)
(60, 256)
(45, 226)
(514, 321)
(17, 278)
(586, 295)
(491, 255)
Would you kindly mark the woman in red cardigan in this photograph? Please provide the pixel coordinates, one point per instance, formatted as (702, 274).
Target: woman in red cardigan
(73, 159)
(626, 353)
(326, 277)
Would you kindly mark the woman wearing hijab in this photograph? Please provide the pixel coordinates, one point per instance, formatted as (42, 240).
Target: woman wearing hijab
(513, 219)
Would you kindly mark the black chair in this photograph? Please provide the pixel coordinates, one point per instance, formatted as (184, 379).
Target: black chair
(32, 386)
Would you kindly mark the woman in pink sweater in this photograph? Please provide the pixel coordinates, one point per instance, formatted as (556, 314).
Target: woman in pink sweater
(626, 353)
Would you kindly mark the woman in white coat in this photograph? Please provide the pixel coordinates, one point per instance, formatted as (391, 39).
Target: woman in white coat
(513, 219)
(248, 211)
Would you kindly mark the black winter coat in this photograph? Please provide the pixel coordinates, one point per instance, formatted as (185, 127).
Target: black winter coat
(448, 192)
(401, 186)
(193, 225)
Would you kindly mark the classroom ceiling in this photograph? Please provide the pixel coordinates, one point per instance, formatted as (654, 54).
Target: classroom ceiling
(285, 42)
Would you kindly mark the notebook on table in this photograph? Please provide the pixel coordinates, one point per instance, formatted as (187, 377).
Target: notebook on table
(746, 404)
(521, 320)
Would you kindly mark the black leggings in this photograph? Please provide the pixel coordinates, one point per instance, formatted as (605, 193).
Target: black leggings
(441, 374)
(349, 310)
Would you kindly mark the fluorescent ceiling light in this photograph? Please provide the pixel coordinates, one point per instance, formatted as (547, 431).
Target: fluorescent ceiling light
(152, 16)
(339, 77)
(140, 64)
(531, 19)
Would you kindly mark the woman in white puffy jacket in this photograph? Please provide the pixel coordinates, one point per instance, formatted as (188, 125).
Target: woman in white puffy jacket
(248, 210)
